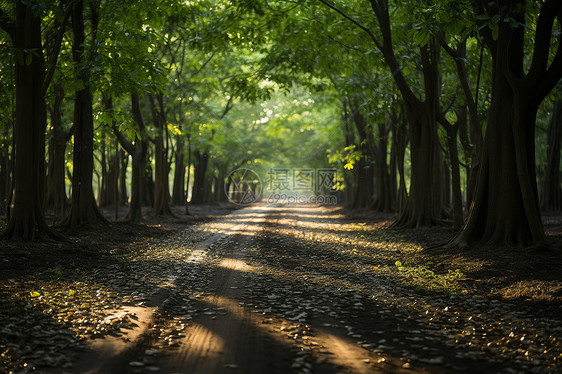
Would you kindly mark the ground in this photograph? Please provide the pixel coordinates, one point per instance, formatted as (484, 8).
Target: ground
(277, 289)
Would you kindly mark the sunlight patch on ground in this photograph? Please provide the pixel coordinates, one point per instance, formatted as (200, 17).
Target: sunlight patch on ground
(207, 344)
(343, 351)
(234, 264)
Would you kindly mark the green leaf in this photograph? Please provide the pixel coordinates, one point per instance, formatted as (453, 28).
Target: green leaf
(495, 31)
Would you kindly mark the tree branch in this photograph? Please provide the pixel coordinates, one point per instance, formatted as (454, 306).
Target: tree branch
(554, 72)
(202, 66)
(380, 9)
(547, 15)
(227, 107)
(125, 143)
(344, 15)
(52, 60)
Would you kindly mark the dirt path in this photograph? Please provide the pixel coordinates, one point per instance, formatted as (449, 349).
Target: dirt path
(279, 290)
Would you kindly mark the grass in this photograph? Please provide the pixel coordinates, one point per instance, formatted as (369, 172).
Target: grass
(423, 278)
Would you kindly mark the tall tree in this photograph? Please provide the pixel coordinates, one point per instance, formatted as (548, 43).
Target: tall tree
(424, 203)
(137, 150)
(505, 208)
(56, 189)
(161, 173)
(31, 81)
(83, 208)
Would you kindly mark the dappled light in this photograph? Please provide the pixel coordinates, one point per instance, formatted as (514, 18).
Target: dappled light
(343, 295)
(280, 187)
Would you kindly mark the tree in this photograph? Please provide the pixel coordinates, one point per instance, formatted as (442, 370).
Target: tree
(31, 81)
(505, 209)
(424, 204)
(138, 151)
(161, 185)
(83, 208)
(552, 193)
(56, 190)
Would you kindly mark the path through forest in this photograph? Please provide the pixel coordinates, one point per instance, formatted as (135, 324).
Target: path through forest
(282, 289)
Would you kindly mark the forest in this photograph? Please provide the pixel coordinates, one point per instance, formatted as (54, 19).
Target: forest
(334, 166)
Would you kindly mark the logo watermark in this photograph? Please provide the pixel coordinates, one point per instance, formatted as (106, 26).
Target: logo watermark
(284, 186)
(277, 198)
(243, 187)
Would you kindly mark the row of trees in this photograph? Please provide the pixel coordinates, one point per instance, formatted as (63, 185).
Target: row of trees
(502, 59)
(135, 98)
(429, 109)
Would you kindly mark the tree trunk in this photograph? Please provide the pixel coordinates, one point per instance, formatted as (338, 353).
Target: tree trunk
(454, 177)
(56, 185)
(472, 147)
(29, 137)
(364, 186)
(134, 214)
(384, 197)
(5, 173)
(161, 180)
(178, 189)
(458, 218)
(424, 200)
(148, 184)
(552, 194)
(124, 163)
(424, 203)
(401, 142)
(498, 214)
(138, 151)
(104, 199)
(199, 180)
(505, 209)
(83, 208)
(364, 170)
(109, 188)
(188, 179)
(109, 191)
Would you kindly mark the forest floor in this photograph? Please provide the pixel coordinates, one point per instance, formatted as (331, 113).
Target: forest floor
(277, 289)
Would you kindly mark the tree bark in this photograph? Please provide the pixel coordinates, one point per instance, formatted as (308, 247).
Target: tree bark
(552, 193)
(27, 218)
(452, 133)
(161, 204)
(56, 185)
(423, 201)
(473, 147)
(199, 180)
(5, 173)
(400, 142)
(384, 201)
(83, 208)
(178, 189)
(103, 198)
(505, 209)
(138, 151)
(111, 159)
(188, 178)
(424, 205)
(123, 164)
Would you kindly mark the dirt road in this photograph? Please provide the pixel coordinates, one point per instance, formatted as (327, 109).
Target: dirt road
(281, 289)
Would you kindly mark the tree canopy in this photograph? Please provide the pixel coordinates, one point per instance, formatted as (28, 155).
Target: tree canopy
(445, 112)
